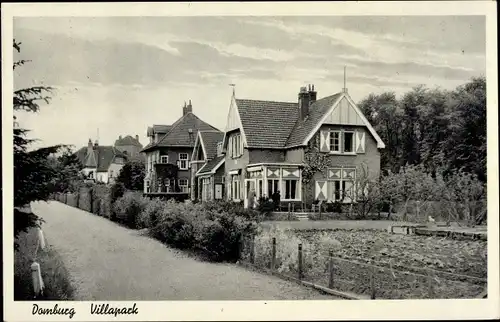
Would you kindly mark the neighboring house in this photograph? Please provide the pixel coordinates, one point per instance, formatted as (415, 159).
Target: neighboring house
(207, 166)
(172, 145)
(265, 145)
(101, 163)
(130, 146)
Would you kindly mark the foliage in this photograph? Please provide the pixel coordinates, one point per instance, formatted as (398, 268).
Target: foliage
(149, 217)
(265, 206)
(33, 172)
(220, 206)
(128, 209)
(464, 197)
(204, 227)
(54, 273)
(67, 169)
(132, 175)
(314, 161)
(117, 191)
(445, 131)
(366, 193)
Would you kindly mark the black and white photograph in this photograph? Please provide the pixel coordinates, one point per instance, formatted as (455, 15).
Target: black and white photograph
(302, 156)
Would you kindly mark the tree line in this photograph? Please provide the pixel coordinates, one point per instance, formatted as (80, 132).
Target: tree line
(442, 130)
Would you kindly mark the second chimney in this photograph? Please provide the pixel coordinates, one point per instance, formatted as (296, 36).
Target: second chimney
(187, 108)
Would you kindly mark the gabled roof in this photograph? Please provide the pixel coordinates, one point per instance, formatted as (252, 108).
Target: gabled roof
(211, 166)
(101, 160)
(267, 124)
(317, 110)
(209, 140)
(179, 136)
(128, 140)
(158, 128)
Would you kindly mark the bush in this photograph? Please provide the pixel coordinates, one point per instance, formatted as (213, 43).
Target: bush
(128, 208)
(203, 227)
(266, 206)
(117, 191)
(149, 217)
(233, 208)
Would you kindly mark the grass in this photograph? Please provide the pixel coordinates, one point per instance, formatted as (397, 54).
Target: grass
(54, 273)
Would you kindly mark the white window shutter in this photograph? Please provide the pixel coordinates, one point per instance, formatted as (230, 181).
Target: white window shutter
(360, 142)
(320, 190)
(178, 163)
(324, 141)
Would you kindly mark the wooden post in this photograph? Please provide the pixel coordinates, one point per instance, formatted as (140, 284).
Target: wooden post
(319, 209)
(330, 269)
(430, 285)
(299, 264)
(41, 238)
(273, 258)
(293, 207)
(289, 207)
(252, 250)
(240, 246)
(372, 283)
(36, 276)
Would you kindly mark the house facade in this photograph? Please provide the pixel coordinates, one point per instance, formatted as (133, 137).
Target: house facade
(130, 146)
(101, 163)
(268, 145)
(169, 152)
(207, 167)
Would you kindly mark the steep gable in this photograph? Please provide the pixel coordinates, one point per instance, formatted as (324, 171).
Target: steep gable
(209, 140)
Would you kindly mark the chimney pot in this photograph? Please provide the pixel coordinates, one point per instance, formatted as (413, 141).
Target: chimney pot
(119, 137)
(137, 137)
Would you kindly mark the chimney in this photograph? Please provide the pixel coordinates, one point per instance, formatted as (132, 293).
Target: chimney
(119, 137)
(89, 145)
(137, 137)
(304, 99)
(312, 94)
(96, 144)
(187, 108)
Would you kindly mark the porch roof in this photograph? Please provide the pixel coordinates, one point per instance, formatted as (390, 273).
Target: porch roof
(211, 166)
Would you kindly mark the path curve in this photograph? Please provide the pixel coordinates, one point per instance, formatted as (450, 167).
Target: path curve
(110, 262)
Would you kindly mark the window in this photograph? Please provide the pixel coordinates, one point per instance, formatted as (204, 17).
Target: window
(260, 188)
(183, 185)
(335, 141)
(236, 187)
(272, 186)
(164, 159)
(342, 189)
(236, 146)
(219, 149)
(183, 161)
(205, 189)
(291, 189)
(348, 142)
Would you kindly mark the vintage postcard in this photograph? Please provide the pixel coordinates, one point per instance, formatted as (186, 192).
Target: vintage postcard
(250, 161)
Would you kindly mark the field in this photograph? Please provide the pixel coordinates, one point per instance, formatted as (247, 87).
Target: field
(398, 266)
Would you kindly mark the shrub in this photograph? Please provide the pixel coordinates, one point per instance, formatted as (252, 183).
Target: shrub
(220, 236)
(128, 208)
(233, 208)
(149, 217)
(266, 206)
(117, 191)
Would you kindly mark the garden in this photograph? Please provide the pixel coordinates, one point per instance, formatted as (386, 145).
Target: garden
(373, 262)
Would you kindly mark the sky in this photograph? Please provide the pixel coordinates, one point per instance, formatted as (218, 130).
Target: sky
(118, 75)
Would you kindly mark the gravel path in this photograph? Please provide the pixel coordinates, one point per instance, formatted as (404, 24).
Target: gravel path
(110, 262)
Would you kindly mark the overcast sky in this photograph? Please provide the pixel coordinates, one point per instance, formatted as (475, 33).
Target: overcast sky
(121, 75)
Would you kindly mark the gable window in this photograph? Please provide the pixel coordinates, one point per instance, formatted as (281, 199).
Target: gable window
(335, 141)
(164, 159)
(183, 185)
(236, 146)
(348, 141)
(183, 161)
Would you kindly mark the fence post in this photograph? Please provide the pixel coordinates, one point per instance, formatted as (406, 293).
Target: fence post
(293, 207)
(430, 285)
(319, 209)
(252, 250)
(330, 269)
(273, 258)
(299, 264)
(372, 283)
(240, 246)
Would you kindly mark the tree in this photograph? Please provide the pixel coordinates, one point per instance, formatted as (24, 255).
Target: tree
(68, 176)
(132, 175)
(34, 174)
(366, 193)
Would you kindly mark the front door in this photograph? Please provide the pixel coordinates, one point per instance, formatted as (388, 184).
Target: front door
(249, 186)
